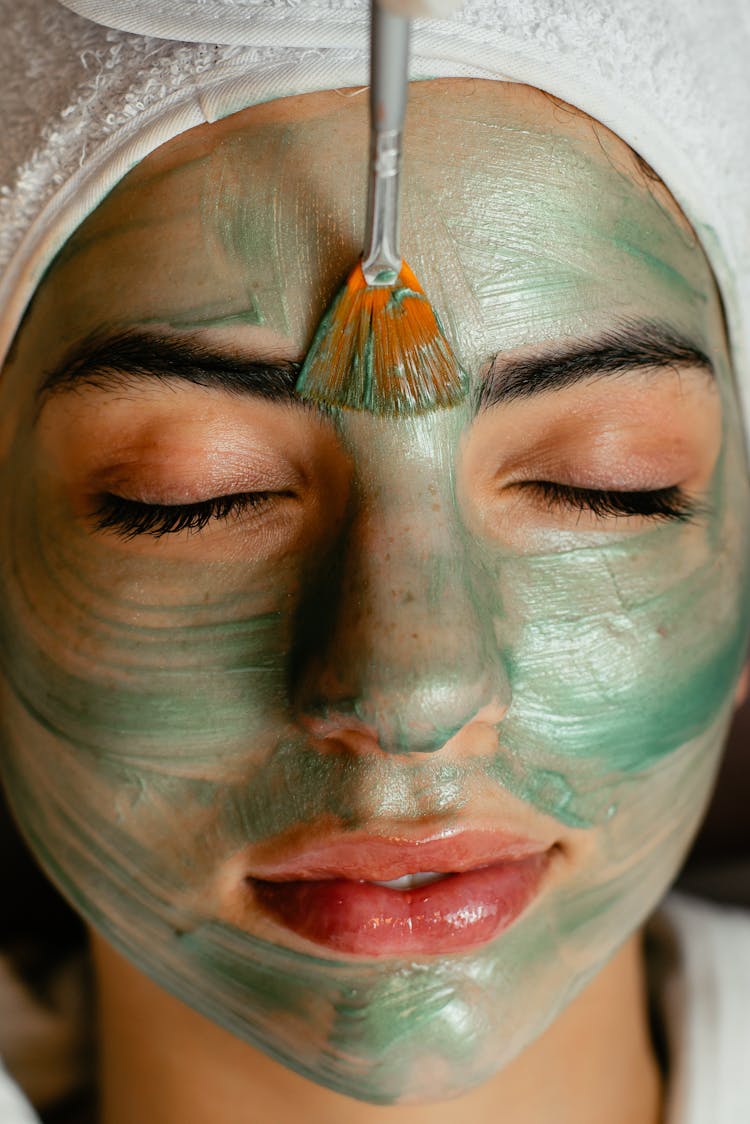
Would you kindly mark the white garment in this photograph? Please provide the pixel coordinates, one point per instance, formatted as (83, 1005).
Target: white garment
(705, 1002)
(703, 996)
(83, 103)
(14, 1108)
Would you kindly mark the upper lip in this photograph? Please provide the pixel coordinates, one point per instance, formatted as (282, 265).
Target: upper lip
(375, 858)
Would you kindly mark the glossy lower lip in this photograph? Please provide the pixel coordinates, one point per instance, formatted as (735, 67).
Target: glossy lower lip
(351, 915)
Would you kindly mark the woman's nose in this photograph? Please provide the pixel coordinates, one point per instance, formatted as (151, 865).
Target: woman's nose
(397, 640)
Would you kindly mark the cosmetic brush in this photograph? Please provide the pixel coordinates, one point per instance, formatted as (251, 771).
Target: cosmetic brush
(380, 346)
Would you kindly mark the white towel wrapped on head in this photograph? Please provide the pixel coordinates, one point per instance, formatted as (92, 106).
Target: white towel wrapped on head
(82, 103)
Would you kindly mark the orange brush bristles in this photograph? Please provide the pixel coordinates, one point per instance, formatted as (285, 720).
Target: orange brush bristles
(381, 348)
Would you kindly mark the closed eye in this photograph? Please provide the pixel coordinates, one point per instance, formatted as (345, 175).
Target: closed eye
(129, 518)
(662, 504)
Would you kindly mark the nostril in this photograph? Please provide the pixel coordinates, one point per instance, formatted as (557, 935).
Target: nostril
(332, 723)
(342, 729)
(396, 734)
(399, 729)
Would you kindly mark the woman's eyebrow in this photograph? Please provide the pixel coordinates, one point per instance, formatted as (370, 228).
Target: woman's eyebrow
(631, 347)
(111, 361)
(114, 360)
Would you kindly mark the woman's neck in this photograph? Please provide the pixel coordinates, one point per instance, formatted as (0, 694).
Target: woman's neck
(161, 1063)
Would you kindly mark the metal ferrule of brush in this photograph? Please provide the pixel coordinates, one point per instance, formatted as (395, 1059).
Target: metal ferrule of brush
(389, 70)
(382, 262)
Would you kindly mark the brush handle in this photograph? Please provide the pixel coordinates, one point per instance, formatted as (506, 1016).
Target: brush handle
(389, 75)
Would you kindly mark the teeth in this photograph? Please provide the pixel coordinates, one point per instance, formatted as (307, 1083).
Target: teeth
(411, 881)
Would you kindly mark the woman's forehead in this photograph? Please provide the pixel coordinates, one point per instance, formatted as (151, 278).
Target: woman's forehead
(522, 218)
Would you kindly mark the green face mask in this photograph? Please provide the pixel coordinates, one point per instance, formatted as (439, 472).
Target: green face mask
(414, 627)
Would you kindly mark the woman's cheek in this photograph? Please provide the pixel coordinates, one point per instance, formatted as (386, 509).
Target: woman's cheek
(137, 659)
(620, 656)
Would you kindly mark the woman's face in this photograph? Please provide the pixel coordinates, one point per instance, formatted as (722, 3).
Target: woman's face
(497, 643)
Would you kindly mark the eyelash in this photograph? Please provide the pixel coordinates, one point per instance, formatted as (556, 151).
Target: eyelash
(130, 518)
(662, 504)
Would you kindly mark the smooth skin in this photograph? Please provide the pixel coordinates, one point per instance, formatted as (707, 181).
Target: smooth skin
(407, 631)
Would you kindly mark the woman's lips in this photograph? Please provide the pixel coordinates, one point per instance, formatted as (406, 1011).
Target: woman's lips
(331, 895)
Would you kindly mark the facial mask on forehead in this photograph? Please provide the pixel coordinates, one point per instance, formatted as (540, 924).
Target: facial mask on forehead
(669, 79)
